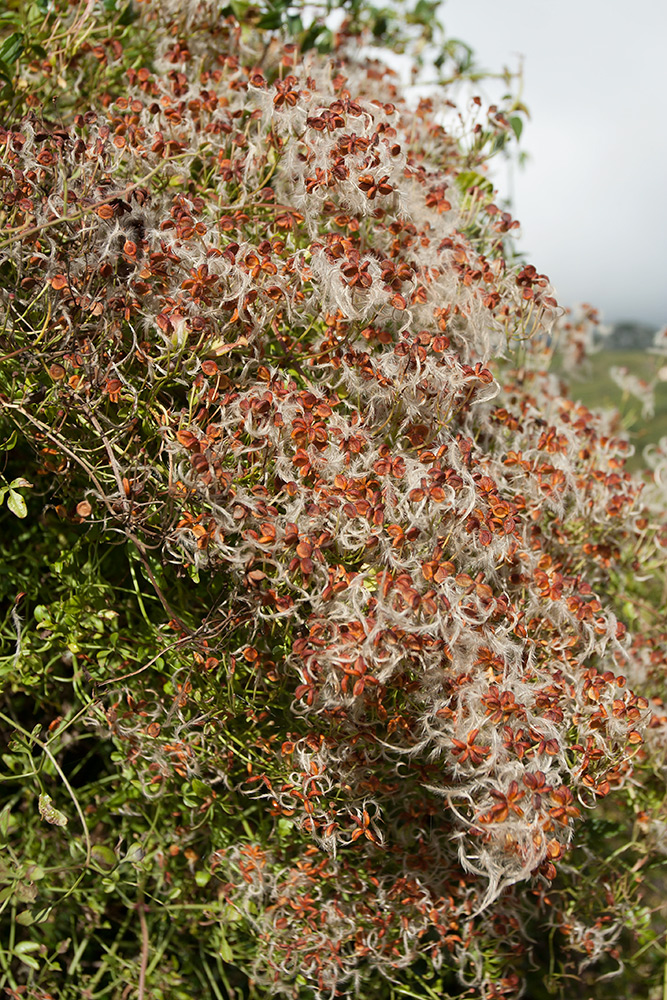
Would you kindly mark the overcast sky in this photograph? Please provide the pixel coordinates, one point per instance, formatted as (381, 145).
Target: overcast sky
(592, 199)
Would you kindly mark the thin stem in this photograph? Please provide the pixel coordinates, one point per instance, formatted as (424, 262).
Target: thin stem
(63, 777)
(145, 944)
(76, 958)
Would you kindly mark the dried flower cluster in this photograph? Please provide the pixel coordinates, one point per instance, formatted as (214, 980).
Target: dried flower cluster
(268, 325)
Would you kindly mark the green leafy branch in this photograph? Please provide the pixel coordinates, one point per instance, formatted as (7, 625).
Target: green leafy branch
(15, 500)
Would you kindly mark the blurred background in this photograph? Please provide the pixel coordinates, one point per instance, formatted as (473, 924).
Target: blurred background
(591, 195)
(591, 198)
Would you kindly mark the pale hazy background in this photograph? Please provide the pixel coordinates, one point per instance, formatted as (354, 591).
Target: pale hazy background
(592, 198)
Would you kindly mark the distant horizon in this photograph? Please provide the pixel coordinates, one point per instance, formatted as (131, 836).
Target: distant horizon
(630, 321)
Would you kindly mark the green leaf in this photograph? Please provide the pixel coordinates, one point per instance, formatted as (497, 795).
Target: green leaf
(23, 949)
(128, 16)
(226, 953)
(34, 872)
(285, 827)
(17, 504)
(325, 41)
(103, 858)
(5, 823)
(294, 24)
(134, 854)
(272, 21)
(11, 48)
(32, 963)
(28, 960)
(11, 440)
(516, 124)
(312, 36)
(470, 178)
(239, 8)
(25, 918)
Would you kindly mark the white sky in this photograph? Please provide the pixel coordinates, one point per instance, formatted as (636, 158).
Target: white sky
(592, 199)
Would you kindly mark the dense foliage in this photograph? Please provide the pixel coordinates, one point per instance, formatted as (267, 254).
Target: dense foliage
(334, 661)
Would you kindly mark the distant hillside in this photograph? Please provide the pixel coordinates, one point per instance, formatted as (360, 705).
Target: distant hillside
(628, 336)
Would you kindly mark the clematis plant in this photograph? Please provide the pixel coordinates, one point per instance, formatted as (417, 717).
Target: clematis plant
(265, 332)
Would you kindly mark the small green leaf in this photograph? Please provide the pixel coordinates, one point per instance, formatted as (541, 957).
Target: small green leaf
(17, 504)
(294, 24)
(470, 178)
(325, 41)
(239, 9)
(134, 853)
(226, 953)
(311, 35)
(272, 20)
(103, 858)
(128, 15)
(230, 914)
(23, 947)
(516, 124)
(5, 823)
(31, 962)
(25, 918)
(34, 872)
(11, 48)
